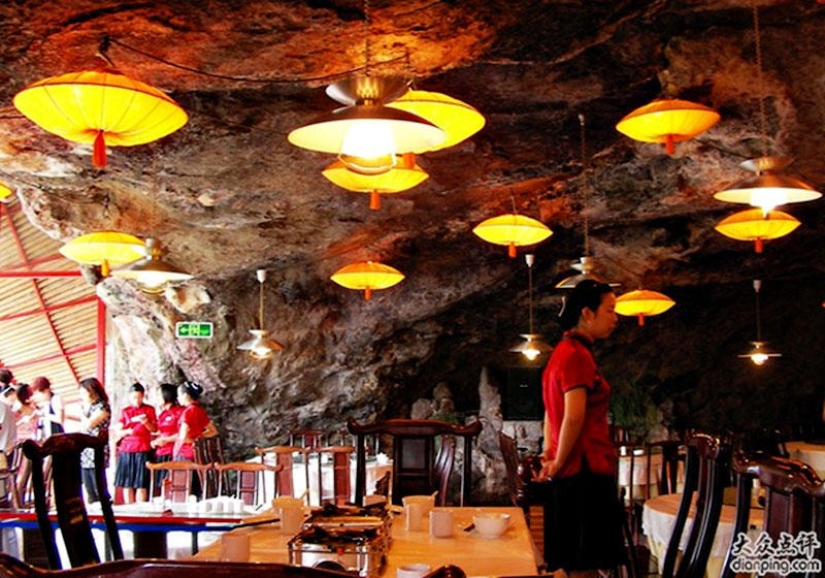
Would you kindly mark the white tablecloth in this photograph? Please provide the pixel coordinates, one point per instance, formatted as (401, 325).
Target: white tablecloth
(512, 554)
(811, 454)
(639, 472)
(659, 515)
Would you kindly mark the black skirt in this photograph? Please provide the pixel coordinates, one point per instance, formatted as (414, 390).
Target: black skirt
(582, 523)
(131, 470)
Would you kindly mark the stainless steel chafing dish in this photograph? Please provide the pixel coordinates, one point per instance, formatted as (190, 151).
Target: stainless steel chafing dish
(350, 539)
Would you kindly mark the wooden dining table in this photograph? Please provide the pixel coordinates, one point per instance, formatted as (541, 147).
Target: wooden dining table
(149, 523)
(511, 554)
(659, 516)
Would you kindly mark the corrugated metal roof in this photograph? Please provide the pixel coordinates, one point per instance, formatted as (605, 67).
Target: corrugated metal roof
(48, 325)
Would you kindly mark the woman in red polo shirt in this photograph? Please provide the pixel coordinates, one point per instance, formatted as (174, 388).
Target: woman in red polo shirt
(582, 528)
(194, 424)
(134, 432)
(168, 424)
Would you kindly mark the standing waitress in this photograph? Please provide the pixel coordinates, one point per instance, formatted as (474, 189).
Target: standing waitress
(582, 527)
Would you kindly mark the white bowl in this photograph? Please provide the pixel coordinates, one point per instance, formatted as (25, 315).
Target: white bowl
(491, 524)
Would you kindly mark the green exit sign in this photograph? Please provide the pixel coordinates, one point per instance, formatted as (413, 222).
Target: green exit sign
(193, 330)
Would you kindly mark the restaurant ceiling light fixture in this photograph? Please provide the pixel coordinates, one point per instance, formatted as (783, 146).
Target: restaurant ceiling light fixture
(152, 273)
(367, 276)
(512, 230)
(366, 134)
(642, 303)
(668, 121)
(756, 226)
(402, 177)
(102, 108)
(767, 188)
(104, 249)
(260, 346)
(457, 119)
(586, 264)
(760, 352)
(532, 346)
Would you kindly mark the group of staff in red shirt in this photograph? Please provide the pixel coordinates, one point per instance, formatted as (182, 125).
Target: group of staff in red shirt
(144, 436)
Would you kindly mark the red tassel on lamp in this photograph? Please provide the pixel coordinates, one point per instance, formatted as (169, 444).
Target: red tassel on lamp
(99, 151)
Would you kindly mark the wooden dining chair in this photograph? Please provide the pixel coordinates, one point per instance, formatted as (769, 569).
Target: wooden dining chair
(210, 451)
(248, 477)
(341, 484)
(178, 483)
(284, 457)
(790, 496)
(673, 458)
(515, 483)
(706, 475)
(64, 451)
(416, 468)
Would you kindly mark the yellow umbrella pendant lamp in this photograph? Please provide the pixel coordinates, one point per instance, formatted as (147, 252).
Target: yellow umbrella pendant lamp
(512, 230)
(101, 108)
(104, 248)
(456, 118)
(367, 277)
(402, 177)
(668, 121)
(754, 225)
(642, 303)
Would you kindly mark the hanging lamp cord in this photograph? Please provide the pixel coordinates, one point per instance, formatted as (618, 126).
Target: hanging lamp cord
(757, 45)
(587, 187)
(261, 303)
(529, 258)
(757, 284)
(367, 22)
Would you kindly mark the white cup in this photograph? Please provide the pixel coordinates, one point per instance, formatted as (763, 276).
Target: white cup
(291, 519)
(413, 517)
(426, 502)
(218, 506)
(412, 571)
(441, 523)
(285, 502)
(235, 546)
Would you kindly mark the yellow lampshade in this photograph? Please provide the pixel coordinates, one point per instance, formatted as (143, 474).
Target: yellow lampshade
(100, 107)
(668, 121)
(104, 248)
(643, 303)
(367, 276)
(512, 230)
(458, 119)
(766, 188)
(754, 225)
(5, 193)
(404, 176)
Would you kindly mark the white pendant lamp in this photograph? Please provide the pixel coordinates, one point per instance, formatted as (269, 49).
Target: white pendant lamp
(759, 352)
(532, 346)
(260, 346)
